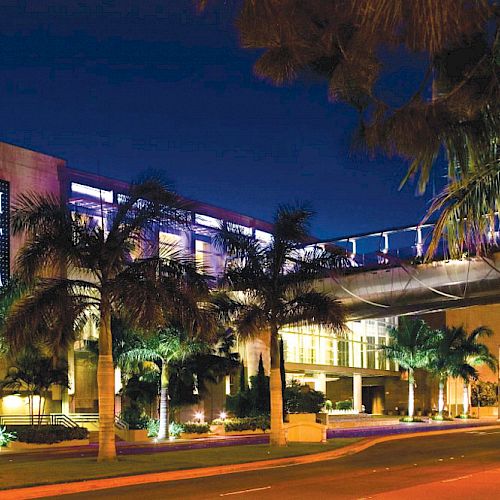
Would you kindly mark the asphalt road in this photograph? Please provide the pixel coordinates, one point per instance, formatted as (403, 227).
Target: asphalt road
(447, 466)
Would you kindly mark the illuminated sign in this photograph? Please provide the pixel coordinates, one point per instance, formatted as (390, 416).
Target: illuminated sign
(4, 232)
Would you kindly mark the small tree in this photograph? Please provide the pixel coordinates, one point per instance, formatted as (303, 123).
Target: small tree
(35, 374)
(410, 346)
(260, 388)
(471, 352)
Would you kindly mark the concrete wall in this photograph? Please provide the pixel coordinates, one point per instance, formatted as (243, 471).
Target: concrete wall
(26, 171)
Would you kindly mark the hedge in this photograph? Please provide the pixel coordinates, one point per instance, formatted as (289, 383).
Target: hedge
(195, 428)
(47, 434)
(246, 424)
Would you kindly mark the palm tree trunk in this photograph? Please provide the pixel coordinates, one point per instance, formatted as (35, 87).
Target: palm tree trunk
(164, 403)
(277, 437)
(411, 393)
(465, 400)
(441, 397)
(106, 386)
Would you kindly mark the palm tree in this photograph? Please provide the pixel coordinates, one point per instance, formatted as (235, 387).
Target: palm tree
(163, 347)
(410, 345)
(271, 285)
(454, 106)
(102, 276)
(471, 352)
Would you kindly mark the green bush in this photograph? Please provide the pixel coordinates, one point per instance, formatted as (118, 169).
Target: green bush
(48, 434)
(411, 419)
(247, 424)
(195, 428)
(134, 417)
(343, 405)
(303, 399)
(153, 427)
(174, 429)
(6, 437)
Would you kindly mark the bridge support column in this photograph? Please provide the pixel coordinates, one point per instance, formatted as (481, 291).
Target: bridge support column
(357, 392)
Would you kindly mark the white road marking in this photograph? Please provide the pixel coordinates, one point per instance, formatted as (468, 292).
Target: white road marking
(244, 491)
(456, 479)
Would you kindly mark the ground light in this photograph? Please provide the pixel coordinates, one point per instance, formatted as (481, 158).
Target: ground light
(223, 415)
(199, 416)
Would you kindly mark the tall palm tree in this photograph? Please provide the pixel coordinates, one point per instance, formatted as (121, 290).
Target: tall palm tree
(455, 105)
(163, 347)
(101, 276)
(470, 353)
(410, 345)
(272, 285)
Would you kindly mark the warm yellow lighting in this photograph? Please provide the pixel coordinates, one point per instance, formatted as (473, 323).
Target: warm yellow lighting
(13, 403)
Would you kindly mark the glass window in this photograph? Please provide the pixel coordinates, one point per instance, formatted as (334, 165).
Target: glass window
(169, 243)
(343, 348)
(371, 350)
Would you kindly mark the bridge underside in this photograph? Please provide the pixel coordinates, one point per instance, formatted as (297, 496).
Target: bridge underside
(409, 289)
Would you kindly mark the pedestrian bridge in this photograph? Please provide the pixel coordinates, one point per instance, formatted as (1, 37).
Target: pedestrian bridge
(389, 276)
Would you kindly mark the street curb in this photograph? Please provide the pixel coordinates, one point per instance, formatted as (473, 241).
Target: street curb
(159, 477)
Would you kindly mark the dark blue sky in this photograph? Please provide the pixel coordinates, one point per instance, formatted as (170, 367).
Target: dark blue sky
(116, 87)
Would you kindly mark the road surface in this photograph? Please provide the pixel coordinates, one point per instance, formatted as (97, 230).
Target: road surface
(465, 465)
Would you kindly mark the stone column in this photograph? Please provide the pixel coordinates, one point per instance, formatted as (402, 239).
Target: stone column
(357, 392)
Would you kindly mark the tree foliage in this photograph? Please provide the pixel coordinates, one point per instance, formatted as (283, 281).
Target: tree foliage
(455, 105)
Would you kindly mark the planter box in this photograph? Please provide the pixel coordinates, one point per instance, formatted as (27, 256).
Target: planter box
(187, 435)
(137, 435)
(244, 433)
(19, 445)
(133, 435)
(302, 428)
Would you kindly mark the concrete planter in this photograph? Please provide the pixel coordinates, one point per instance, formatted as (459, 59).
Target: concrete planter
(133, 435)
(19, 445)
(302, 428)
(485, 411)
(188, 435)
(248, 432)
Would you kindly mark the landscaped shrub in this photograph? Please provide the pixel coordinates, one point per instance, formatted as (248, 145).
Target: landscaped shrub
(153, 427)
(6, 437)
(134, 417)
(48, 434)
(247, 424)
(195, 428)
(343, 405)
(302, 399)
(174, 429)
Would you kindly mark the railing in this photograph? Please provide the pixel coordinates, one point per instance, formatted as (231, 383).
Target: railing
(121, 424)
(52, 419)
(84, 418)
(70, 420)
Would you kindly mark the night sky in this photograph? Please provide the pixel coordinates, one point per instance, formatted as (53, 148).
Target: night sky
(116, 87)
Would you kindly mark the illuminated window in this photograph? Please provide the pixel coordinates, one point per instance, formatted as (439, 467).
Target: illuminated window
(92, 192)
(207, 221)
(262, 236)
(203, 253)
(169, 243)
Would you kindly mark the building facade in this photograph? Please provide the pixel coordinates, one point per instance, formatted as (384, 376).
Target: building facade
(347, 366)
